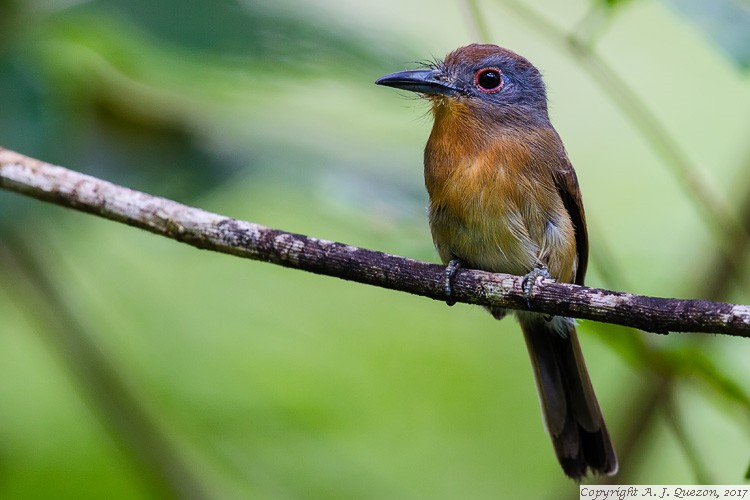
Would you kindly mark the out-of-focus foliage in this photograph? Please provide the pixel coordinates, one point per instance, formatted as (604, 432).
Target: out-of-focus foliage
(727, 22)
(248, 380)
(612, 3)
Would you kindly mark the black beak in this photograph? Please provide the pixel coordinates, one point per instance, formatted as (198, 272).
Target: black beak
(424, 81)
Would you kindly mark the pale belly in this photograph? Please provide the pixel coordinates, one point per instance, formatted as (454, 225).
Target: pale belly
(493, 243)
(505, 240)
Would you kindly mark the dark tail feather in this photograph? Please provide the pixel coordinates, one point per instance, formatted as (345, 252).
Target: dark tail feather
(571, 411)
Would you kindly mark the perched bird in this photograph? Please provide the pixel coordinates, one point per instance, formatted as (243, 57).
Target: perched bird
(504, 198)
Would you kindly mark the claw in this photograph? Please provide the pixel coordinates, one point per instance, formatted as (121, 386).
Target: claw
(450, 272)
(529, 281)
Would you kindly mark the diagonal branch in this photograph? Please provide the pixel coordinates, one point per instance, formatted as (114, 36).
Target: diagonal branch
(219, 233)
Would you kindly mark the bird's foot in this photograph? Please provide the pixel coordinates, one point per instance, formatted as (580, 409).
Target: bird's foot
(450, 272)
(529, 280)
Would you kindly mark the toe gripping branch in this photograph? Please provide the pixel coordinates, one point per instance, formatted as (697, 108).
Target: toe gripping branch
(529, 280)
(450, 272)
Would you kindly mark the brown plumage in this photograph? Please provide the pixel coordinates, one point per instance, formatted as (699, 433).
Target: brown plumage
(505, 198)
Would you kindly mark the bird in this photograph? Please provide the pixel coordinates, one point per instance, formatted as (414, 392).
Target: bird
(504, 197)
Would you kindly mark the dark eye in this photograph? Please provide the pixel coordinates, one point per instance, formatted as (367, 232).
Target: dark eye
(488, 79)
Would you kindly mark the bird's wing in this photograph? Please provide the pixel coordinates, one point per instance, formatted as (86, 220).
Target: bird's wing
(567, 186)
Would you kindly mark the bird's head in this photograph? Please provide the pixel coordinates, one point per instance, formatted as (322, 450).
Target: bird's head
(490, 81)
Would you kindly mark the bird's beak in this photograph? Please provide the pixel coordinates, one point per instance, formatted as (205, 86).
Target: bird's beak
(424, 81)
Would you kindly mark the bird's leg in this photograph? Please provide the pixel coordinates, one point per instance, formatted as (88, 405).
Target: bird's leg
(529, 280)
(450, 272)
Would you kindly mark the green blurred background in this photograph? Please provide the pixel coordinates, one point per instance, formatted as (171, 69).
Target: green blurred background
(132, 366)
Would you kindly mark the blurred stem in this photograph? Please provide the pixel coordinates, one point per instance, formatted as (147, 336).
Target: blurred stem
(593, 24)
(118, 409)
(721, 269)
(604, 260)
(715, 379)
(479, 29)
(702, 476)
(632, 438)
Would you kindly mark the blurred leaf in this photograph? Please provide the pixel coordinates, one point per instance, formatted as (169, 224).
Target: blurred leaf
(695, 362)
(612, 3)
(727, 22)
(632, 345)
(130, 90)
(259, 31)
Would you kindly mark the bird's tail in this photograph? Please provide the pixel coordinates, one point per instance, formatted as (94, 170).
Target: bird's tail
(571, 411)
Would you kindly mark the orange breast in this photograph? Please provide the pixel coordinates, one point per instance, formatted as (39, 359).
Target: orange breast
(493, 201)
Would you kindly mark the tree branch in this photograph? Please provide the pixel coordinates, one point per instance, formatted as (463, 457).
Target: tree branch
(219, 233)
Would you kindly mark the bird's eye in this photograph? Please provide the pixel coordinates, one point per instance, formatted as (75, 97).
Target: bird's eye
(488, 79)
